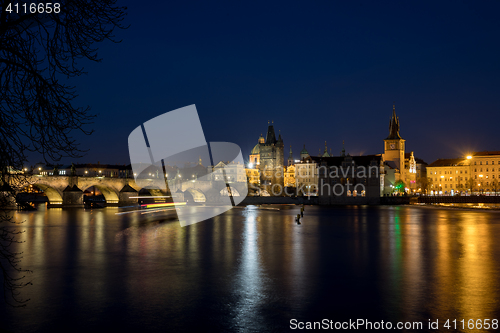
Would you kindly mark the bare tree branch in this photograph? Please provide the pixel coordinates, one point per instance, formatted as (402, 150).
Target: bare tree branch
(39, 54)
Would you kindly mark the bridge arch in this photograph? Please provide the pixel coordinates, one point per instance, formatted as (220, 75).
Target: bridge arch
(195, 194)
(110, 194)
(225, 193)
(153, 191)
(52, 194)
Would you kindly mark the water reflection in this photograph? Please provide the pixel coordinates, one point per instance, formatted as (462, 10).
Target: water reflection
(252, 269)
(248, 285)
(477, 268)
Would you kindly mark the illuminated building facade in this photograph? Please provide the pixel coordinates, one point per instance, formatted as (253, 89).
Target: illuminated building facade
(290, 176)
(254, 158)
(306, 176)
(449, 176)
(485, 169)
(477, 173)
(253, 176)
(268, 157)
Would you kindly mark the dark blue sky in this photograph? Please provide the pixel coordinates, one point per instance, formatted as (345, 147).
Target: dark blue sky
(321, 70)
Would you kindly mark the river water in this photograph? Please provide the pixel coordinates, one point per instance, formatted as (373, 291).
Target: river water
(254, 269)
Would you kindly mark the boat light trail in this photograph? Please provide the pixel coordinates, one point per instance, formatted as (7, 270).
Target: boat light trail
(163, 204)
(151, 197)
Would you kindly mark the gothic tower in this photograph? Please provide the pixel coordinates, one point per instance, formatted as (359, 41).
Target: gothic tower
(394, 145)
(271, 159)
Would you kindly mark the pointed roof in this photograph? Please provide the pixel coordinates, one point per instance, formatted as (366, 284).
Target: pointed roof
(221, 164)
(394, 126)
(291, 154)
(271, 136)
(304, 150)
(343, 149)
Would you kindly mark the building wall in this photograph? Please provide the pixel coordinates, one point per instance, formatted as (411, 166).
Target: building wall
(254, 160)
(446, 179)
(480, 171)
(253, 176)
(362, 182)
(271, 164)
(290, 176)
(306, 177)
(394, 150)
(485, 171)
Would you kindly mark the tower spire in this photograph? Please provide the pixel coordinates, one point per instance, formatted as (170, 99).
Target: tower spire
(394, 125)
(270, 137)
(325, 153)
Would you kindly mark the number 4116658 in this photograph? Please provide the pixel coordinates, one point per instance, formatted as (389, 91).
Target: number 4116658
(34, 8)
(471, 324)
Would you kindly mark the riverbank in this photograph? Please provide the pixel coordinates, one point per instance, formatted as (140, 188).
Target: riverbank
(474, 206)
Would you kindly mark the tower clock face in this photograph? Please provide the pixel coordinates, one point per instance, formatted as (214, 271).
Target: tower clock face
(393, 146)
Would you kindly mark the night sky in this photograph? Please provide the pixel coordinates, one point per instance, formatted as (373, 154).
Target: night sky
(320, 70)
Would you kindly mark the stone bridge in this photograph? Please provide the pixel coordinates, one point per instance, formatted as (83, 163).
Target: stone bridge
(67, 191)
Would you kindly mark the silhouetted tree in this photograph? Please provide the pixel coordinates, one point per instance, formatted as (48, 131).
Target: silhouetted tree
(39, 54)
(399, 186)
(425, 183)
(470, 184)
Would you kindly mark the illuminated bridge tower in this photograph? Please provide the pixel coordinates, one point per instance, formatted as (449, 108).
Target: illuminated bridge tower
(271, 160)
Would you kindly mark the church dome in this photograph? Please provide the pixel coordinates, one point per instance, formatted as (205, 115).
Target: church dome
(256, 150)
(304, 151)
